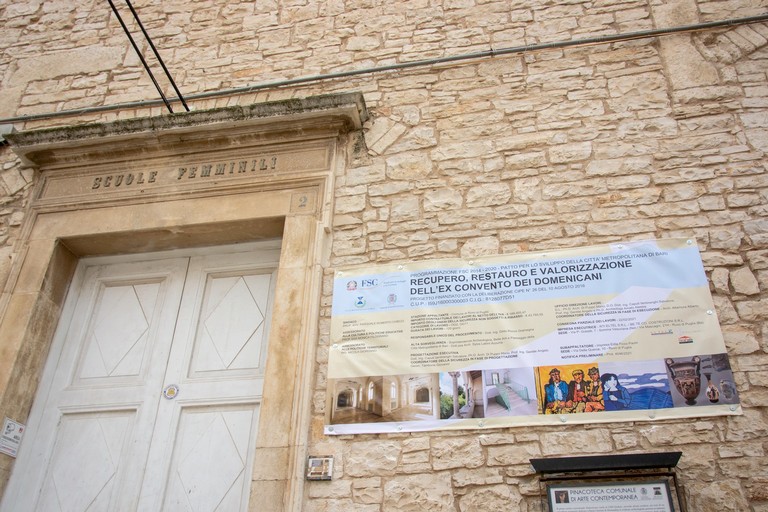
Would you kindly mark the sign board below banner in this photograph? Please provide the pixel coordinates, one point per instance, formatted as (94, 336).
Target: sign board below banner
(644, 496)
(619, 332)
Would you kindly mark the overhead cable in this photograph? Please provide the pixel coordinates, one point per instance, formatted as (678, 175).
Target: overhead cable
(143, 60)
(157, 55)
(405, 65)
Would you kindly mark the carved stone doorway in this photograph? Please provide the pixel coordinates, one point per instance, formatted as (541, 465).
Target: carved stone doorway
(191, 180)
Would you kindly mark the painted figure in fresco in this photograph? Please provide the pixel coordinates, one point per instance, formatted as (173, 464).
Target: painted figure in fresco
(577, 393)
(616, 396)
(594, 391)
(555, 392)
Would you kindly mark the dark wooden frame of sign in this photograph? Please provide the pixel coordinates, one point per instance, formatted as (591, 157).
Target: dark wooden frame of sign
(610, 467)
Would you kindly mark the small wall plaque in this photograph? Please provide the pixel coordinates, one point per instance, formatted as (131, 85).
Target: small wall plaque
(10, 438)
(319, 467)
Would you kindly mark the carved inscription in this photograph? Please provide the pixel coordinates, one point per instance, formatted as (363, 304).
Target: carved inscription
(190, 172)
(126, 179)
(221, 169)
(181, 173)
(303, 202)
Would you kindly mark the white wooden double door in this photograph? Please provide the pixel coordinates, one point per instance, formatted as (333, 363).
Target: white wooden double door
(150, 398)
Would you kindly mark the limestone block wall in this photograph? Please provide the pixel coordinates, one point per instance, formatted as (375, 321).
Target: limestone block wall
(651, 137)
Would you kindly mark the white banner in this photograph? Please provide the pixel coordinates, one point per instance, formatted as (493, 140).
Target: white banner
(625, 330)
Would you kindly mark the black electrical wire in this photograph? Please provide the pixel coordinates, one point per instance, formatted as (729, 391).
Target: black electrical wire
(157, 55)
(141, 57)
(406, 65)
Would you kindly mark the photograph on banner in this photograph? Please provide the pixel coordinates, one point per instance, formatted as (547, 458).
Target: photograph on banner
(636, 385)
(521, 336)
(688, 387)
(509, 392)
(570, 389)
(379, 399)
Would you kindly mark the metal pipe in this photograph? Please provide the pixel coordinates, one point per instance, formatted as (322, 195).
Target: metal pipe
(406, 65)
(490, 53)
(141, 57)
(157, 55)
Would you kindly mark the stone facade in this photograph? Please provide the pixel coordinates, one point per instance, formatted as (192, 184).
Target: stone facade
(648, 137)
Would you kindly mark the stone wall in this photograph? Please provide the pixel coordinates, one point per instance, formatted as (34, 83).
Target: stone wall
(653, 137)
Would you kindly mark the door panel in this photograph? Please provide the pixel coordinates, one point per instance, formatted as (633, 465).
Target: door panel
(209, 467)
(83, 472)
(101, 435)
(232, 325)
(101, 367)
(118, 339)
(217, 361)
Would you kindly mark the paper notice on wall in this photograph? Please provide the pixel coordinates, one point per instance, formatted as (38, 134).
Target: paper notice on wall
(525, 338)
(10, 439)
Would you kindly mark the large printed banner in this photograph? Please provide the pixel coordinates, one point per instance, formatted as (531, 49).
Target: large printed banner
(619, 332)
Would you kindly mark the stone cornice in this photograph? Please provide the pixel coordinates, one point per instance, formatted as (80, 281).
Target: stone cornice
(222, 128)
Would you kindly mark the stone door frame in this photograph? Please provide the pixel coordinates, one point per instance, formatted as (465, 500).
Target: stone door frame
(278, 162)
